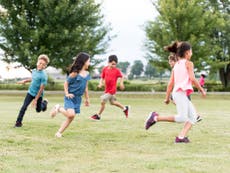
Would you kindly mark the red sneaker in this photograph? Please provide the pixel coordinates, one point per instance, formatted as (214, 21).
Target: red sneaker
(126, 111)
(95, 117)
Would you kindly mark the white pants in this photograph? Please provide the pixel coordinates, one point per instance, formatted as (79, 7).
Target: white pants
(185, 109)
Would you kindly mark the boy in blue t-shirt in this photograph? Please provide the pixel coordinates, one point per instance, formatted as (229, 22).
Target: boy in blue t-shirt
(36, 89)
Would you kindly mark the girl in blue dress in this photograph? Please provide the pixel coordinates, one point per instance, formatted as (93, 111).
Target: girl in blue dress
(75, 86)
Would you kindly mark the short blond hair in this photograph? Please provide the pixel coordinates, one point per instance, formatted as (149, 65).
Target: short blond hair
(44, 57)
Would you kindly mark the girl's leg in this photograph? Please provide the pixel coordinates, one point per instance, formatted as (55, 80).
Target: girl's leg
(185, 130)
(69, 114)
(23, 109)
(163, 118)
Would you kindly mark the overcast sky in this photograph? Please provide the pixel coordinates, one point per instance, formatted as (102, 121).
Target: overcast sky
(127, 18)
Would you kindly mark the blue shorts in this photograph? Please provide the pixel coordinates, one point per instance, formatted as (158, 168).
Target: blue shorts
(73, 103)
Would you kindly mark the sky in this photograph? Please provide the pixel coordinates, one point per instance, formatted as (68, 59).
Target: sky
(127, 18)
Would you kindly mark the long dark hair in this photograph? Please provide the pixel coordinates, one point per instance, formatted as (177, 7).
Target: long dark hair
(179, 48)
(79, 62)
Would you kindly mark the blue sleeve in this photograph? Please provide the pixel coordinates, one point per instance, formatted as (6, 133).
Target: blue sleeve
(69, 79)
(88, 77)
(44, 80)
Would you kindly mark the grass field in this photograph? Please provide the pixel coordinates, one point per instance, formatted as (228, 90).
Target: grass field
(115, 144)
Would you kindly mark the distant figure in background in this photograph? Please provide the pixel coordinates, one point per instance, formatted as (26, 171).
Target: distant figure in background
(36, 89)
(202, 79)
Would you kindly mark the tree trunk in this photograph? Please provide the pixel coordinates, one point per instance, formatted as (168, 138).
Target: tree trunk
(225, 75)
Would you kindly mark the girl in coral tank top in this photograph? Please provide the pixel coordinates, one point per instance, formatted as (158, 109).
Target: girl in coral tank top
(180, 84)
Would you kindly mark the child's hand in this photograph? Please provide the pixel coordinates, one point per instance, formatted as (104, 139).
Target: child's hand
(86, 102)
(34, 103)
(167, 101)
(122, 87)
(69, 96)
(203, 92)
(100, 85)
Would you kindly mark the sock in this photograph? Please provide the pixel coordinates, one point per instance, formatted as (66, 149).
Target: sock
(180, 137)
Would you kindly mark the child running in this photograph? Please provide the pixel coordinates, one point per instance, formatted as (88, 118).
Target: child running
(181, 80)
(109, 76)
(36, 89)
(75, 86)
(172, 59)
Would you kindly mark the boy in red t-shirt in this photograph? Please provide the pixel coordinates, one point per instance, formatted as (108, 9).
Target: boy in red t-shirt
(109, 77)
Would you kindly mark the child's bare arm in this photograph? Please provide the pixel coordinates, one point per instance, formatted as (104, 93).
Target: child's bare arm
(86, 95)
(189, 65)
(24, 81)
(101, 82)
(122, 86)
(169, 88)
(42, 87)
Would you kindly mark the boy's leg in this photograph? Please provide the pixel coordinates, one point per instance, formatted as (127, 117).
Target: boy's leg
(44, 105)
(102, 108)
(23, 109)
(124, 108)
(39, 105)
(116, 103)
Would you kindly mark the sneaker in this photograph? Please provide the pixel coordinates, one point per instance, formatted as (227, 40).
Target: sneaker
(198, 118)
(184, 140)
(95, 117)
(54, 111)
(126, 111)
(58, 135)
(150, 120)
(45, 101)
(18, 124)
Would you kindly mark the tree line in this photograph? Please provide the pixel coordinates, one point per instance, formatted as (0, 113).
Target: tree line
(62, 28)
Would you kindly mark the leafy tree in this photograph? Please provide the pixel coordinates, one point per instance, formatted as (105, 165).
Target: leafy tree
(193, 21)
(150, 71)
(137, 68)
(58, 28)
(123, 66)
(221, 36)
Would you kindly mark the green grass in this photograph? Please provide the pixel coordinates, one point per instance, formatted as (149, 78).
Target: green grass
(115, 144)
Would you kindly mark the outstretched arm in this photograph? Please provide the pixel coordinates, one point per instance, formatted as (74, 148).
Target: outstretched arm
(189, 65)
(169, 88)
(24, 81)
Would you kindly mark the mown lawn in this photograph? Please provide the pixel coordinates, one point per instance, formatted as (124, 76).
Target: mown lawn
(115, 144)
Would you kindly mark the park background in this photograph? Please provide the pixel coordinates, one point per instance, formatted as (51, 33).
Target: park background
(63, 28)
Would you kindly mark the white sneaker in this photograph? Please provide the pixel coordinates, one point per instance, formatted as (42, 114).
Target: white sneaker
(54, 110)
(58, 135)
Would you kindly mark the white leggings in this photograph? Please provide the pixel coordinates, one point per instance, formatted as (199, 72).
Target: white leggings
(185, 109)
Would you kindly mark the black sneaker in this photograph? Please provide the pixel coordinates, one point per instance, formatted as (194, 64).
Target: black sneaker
(18, 124)
(95, 117)
(198, 118)
(45, 103)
